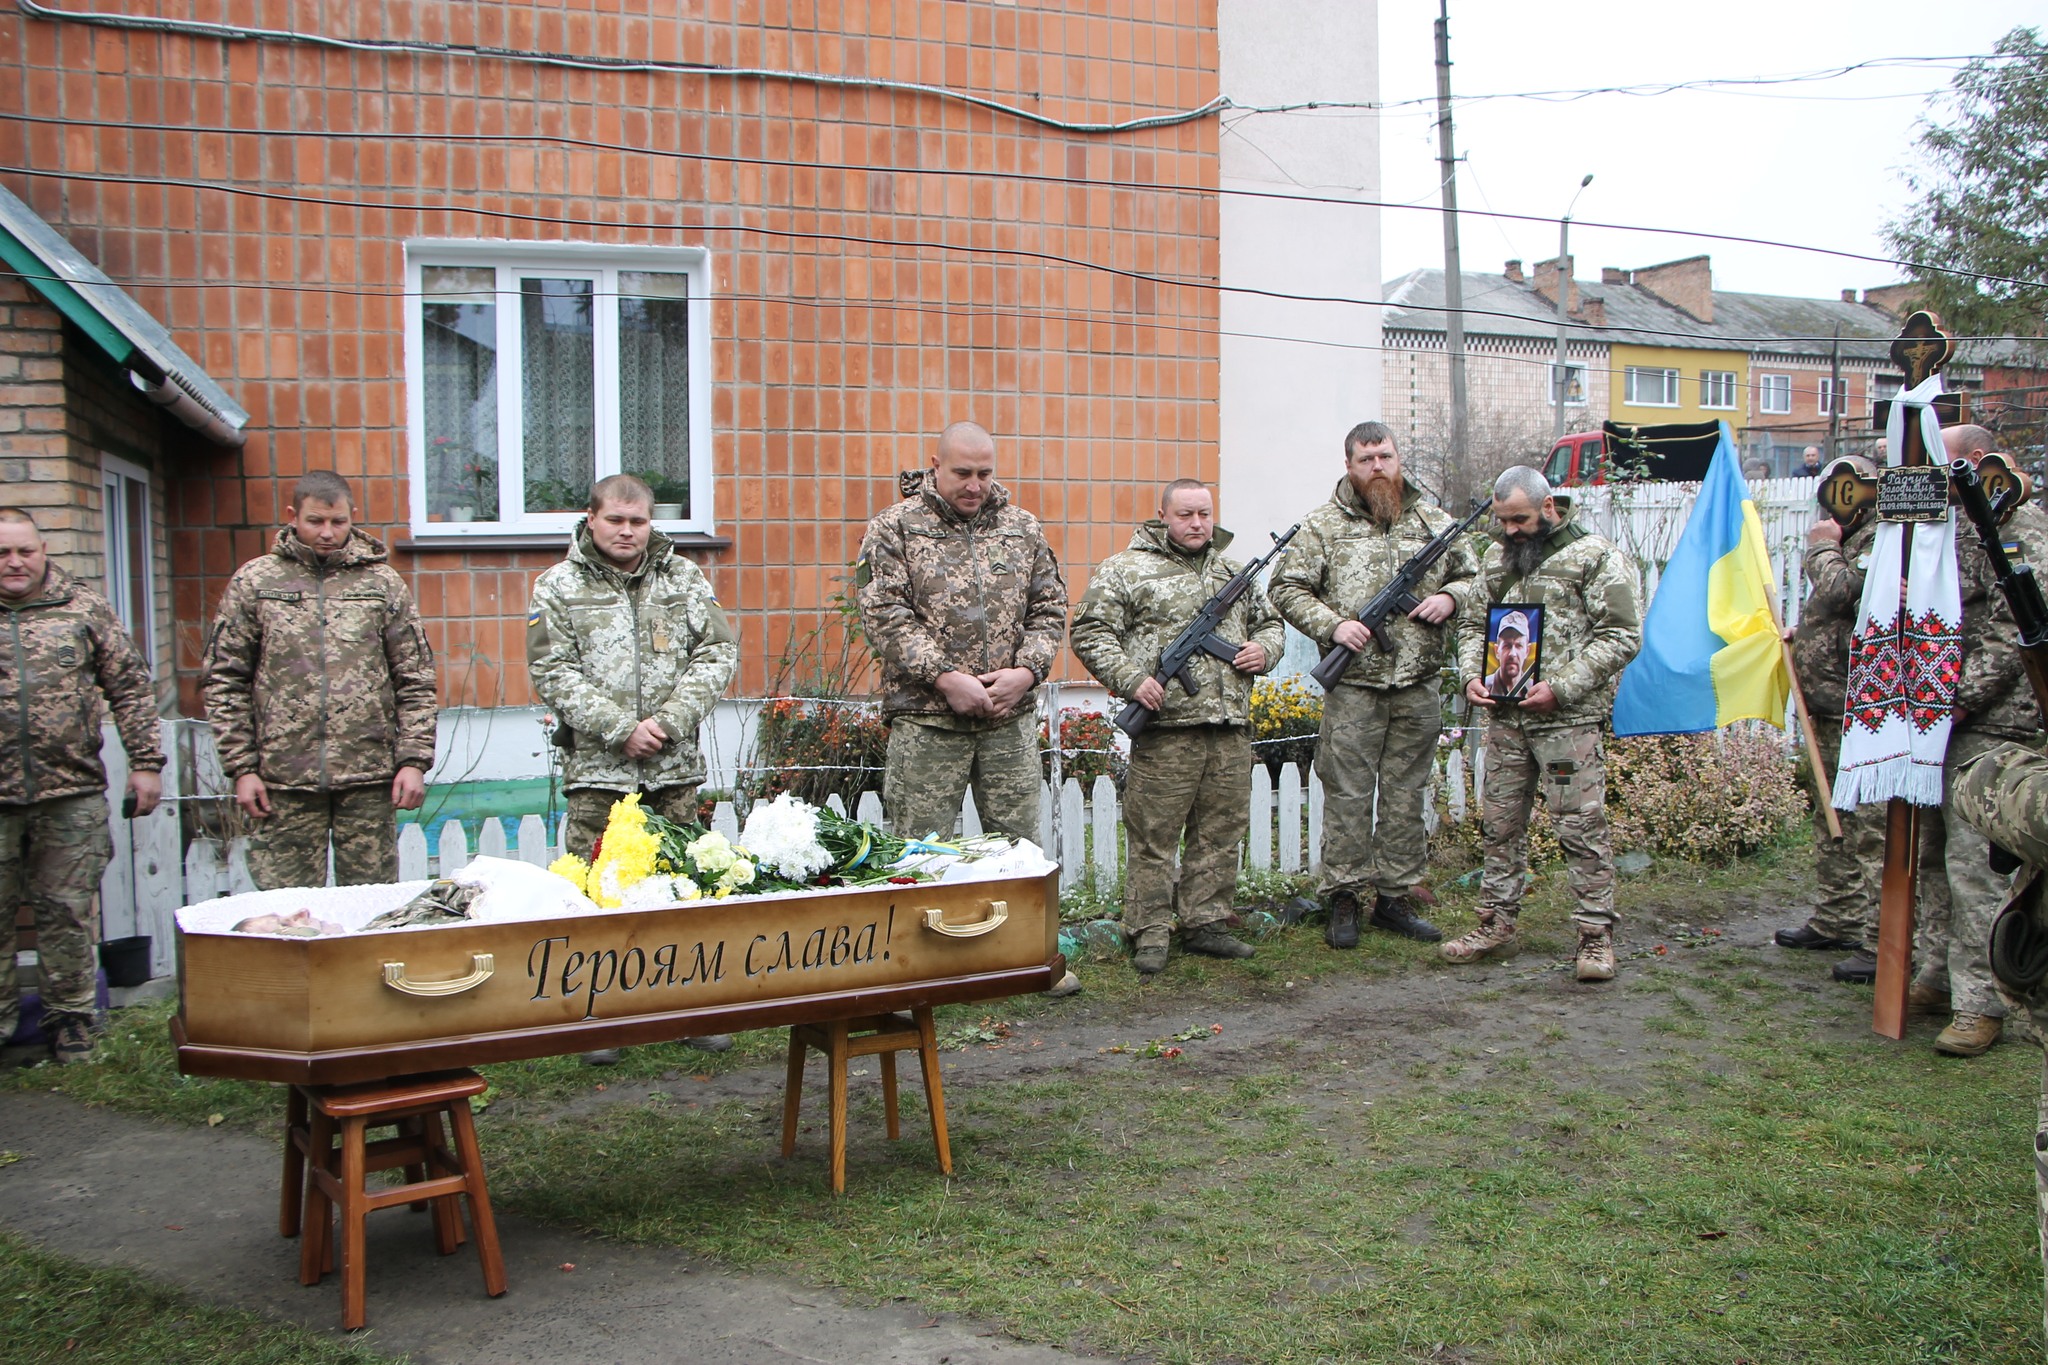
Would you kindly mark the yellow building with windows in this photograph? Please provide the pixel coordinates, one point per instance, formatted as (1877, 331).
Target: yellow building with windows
(1649, 384)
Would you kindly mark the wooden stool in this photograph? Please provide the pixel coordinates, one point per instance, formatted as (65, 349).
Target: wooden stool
(882, 1035)
(328, 1157)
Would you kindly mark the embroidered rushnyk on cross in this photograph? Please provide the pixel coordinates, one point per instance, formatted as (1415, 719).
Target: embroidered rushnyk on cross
(1906, 655)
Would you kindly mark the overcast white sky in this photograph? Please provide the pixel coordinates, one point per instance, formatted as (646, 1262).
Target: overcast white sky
(1817, 163)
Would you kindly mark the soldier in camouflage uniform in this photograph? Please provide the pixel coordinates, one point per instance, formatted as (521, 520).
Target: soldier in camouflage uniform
(1846, 872)
(320, 686)
(1190, 774)
(1550, 739)
(626, 642)
(1381, 722)
(65, 654)
(963, 604)
(1960, 895)
(2002, 795)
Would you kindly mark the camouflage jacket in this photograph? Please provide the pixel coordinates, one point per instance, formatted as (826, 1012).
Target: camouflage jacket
(1820, 645)
(64, 651)
(318, 673)
(940, 592)
(1138, 601)
(607, 649)
(1993, 693)
(1591, 625)
(1341, 557)
(2004, 795)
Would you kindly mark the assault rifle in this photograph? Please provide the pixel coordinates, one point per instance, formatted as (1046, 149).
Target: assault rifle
(2022, 590)
(1398, 597)
(1200, 637)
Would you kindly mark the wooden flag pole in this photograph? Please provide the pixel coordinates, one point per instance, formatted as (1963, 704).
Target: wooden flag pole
(1920, 349)
(1823, 789)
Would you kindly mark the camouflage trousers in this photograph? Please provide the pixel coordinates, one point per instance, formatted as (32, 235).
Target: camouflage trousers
(1569, 767)
(52, 854)
(1375, 754)
(1959, 895)
(1188, 794)
(930, 767)
(1846, 874)
(590, 809)
(289, 846)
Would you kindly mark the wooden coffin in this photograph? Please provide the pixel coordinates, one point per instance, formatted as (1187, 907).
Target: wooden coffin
(369, 1005)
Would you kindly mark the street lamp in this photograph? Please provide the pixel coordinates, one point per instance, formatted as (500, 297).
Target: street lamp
(1559, 388)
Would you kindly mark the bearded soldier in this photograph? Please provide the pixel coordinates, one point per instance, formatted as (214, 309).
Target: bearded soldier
(1189, 786)
(1381, 722)
(1549, 738)
(1846, 871)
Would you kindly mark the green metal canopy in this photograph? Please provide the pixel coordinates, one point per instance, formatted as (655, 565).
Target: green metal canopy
(119, 326)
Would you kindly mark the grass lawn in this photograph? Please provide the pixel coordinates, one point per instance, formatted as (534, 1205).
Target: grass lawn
(1375, 1158)
(55, 1309)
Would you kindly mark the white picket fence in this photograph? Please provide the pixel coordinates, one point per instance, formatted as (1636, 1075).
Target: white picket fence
(1646, 520)
(1079, 829)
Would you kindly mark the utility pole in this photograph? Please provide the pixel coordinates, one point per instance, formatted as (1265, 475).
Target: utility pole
(1835, 398)
(1558, 386)
(1454, 276)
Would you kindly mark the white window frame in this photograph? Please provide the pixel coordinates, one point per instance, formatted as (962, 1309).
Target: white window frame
(1574, 382)
(1830, 399)
(1670, 381)
(1769, 384)
(1728, 381)
(515, 259)
(120, 482)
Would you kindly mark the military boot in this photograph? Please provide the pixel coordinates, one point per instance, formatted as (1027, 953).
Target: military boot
(1150, 957)
(1495, 937)
(1396, 915)
(1969, 1035)
(1927, 996)
(1342, 930)
(1212, 940)
(1596, 955)
(1859, 968)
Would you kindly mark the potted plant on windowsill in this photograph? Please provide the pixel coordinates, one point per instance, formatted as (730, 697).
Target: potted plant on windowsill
(671, 495)
(465, 482)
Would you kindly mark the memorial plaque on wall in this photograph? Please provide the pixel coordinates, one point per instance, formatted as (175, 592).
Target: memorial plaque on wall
(1917, 492)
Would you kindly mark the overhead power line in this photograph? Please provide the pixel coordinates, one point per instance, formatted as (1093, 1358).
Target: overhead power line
(1027, 177)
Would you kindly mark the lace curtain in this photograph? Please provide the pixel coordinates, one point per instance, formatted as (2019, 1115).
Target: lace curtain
(459, 329)
(558, 360)
(654, 383)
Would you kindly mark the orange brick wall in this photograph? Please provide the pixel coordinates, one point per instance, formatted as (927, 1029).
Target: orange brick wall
(836, 355)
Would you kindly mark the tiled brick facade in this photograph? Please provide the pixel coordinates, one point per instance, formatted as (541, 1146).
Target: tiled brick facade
(864, 295)
(64, 405)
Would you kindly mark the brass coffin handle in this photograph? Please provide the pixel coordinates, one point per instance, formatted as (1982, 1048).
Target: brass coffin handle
(483, 965)
(998, 911)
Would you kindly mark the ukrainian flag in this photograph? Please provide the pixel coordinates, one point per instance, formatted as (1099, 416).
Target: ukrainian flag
(1711, 652)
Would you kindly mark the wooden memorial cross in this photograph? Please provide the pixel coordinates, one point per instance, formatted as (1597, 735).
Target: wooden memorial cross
(1920, 349)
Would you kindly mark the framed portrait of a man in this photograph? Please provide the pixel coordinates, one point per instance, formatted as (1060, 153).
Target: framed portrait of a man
(1514, 649)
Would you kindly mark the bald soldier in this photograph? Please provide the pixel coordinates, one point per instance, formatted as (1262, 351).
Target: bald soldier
(1188, 794)
(69, 655)
(962, 601)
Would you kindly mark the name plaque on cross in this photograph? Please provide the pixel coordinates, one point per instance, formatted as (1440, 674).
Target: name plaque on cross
(1917, 492)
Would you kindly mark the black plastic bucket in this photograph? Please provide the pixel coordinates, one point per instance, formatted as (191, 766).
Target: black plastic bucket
(126, 960)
